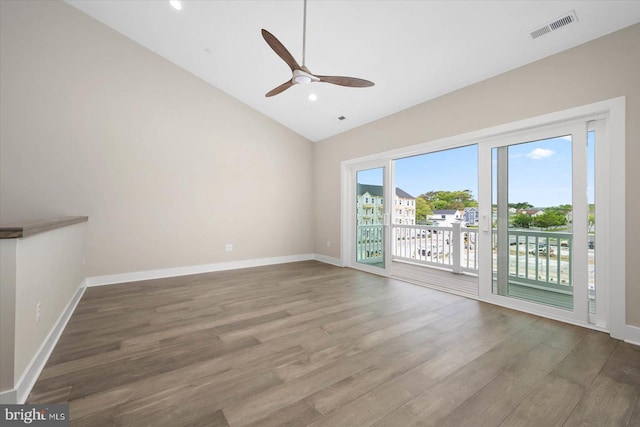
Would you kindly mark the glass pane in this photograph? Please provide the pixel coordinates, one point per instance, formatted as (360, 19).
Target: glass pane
(370, 217)
(494, 219)
(533, 233)
(434, 219)
(591, 220)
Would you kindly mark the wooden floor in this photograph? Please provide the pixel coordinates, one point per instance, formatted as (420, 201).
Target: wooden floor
(311, 344)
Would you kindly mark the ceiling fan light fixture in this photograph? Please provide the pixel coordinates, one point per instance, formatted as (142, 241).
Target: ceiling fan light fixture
(302, 79)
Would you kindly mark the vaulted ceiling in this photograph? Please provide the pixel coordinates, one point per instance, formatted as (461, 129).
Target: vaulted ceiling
(414, 51)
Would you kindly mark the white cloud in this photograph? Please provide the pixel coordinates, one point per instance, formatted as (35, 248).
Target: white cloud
(540, 153)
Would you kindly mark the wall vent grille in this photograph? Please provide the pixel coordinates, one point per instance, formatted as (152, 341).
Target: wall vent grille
(556, 24)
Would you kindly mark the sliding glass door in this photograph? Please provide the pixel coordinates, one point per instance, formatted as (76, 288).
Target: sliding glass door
(370, 217)
(535, 203)
(547, 235)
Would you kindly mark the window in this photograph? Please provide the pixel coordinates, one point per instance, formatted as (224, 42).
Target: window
(609, 314)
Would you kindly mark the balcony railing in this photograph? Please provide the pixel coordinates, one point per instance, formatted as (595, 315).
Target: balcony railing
(538, 260)
(540, 266)
(369, 244)
(453, 248)
(539, 256)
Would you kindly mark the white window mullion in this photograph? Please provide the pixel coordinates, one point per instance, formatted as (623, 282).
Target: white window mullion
(603, 203)
(579, 223)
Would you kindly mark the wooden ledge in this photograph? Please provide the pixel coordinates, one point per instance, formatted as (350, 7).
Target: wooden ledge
(35, 227)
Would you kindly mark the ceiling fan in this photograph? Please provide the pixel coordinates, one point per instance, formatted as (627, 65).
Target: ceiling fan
(301, 74)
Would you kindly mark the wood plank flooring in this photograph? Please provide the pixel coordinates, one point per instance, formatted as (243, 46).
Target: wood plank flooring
(311, 344)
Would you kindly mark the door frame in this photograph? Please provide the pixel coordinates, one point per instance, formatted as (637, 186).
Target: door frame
(610, 177)
(578, 129)
(348, 233)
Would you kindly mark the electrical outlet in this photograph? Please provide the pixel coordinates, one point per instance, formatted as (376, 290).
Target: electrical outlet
(229, 247)
(38, 311)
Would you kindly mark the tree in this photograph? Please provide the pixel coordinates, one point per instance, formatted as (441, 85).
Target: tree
(521, 220)
(437, 200)
(592, 222)
(520, 205)
(551, 218)
(422, 209)
(443, 204)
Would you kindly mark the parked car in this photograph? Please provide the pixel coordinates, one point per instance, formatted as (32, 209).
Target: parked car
(542, 249)
(424, 252)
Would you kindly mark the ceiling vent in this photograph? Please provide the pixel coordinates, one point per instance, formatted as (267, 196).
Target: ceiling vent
(556, 24)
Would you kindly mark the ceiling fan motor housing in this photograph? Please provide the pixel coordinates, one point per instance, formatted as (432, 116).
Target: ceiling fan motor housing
(302, 77)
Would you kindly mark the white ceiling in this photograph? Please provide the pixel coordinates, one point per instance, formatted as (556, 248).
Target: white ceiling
(413, 50)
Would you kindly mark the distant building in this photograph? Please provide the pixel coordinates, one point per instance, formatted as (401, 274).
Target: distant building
(568, 213)
(446, 217)
(470, 216)
(370, 206)
(404, 208)
(530, 212)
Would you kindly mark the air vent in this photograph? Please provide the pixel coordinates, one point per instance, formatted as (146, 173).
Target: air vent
(540, 32)
(556, 24)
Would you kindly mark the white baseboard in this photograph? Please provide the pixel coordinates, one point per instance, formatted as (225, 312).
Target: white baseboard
(35, 367)
(137, 276)
(9, 397)
(632, 335)
(328, 260)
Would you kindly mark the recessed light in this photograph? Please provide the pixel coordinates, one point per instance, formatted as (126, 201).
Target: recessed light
(313, 97)
(176, 4)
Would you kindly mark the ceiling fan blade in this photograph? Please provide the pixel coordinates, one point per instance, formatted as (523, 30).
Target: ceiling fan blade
(284, 86)
(280, 50)
(346, 81)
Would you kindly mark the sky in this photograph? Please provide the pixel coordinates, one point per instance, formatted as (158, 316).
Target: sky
(448, 170)
(539, 172)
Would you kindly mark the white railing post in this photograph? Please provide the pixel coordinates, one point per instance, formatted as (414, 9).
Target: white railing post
(457, 248)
